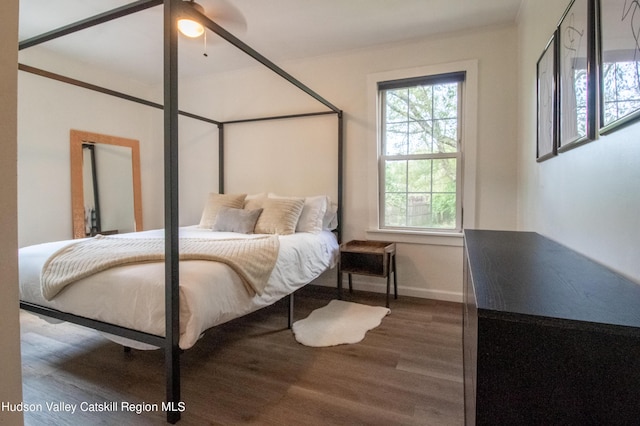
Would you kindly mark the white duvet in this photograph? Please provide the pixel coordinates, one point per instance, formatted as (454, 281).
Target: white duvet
(211, 293)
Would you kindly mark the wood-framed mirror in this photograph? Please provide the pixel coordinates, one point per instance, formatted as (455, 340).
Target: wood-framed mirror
(106, 194)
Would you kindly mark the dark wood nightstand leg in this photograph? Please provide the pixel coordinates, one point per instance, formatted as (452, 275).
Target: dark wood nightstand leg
(339, 284)
(350, 283)
(395, 277)
(388, 287)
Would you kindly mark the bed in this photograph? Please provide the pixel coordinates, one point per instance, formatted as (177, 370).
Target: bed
(211, 293)
(166, 307)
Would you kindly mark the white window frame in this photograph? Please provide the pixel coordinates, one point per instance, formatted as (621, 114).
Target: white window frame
(467, 154)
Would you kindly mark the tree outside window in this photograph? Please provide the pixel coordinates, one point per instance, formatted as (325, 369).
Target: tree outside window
(621, 87)
(420, 161)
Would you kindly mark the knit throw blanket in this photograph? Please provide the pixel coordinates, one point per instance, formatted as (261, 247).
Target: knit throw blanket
(253, 259)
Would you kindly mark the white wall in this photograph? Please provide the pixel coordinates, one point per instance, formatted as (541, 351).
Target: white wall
(10, 369)
(198, 171)
(586, 198)
(425, 269)
(48, 109)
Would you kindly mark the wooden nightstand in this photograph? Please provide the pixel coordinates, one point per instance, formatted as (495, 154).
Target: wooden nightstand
(373, 258)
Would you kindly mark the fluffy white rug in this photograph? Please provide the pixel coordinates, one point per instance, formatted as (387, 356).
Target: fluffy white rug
(338, 323)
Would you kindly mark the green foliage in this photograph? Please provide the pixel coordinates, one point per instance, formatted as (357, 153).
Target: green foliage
(621, 89)
(420, 190)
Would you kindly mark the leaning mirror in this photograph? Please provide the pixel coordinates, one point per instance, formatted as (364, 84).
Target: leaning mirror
(105, 184)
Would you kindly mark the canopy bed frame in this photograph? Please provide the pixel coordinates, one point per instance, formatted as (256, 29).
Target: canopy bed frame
(172, 10)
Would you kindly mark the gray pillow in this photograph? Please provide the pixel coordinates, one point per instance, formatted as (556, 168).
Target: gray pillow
(229, 219)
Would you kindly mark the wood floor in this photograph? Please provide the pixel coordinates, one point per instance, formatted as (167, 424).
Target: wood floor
(408, 371)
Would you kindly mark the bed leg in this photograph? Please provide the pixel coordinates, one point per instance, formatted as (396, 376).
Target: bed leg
(290, 319)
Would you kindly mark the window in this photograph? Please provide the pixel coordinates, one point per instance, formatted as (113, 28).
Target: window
(420, 163)
(620, 82)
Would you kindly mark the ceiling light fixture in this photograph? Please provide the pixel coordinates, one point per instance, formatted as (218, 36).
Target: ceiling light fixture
(189, 27)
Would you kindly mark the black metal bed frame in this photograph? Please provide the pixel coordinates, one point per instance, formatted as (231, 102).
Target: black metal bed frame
(172, 10)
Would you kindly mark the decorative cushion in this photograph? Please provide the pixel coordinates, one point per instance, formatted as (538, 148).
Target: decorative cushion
(279, 216)
(236, 220)
(313, 211)
(214, 202)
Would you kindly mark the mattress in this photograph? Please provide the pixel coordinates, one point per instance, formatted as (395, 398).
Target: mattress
(211, 293)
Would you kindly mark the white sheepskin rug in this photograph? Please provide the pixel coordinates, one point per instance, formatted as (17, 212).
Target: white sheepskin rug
(338, 323)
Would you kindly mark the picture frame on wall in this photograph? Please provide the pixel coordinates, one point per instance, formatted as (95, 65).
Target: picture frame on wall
(619, 63)
(547, 105)
(577, 75)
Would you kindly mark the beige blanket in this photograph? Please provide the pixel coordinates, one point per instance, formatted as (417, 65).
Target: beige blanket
(252, 258)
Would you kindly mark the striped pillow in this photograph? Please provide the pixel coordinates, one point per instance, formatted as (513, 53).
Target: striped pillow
(279, 215)
(214, 202)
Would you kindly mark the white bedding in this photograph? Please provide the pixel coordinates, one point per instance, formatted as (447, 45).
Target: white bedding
(211, 293)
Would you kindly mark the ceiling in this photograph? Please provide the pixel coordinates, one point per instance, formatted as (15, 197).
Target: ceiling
(281, 30)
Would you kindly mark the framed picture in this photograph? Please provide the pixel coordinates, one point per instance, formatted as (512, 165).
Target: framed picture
(547, 130)
(620, 63)
(577, 74)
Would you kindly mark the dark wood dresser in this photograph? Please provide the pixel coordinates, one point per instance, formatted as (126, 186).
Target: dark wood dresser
(550, 337)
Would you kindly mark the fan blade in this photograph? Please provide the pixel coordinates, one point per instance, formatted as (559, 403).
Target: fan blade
(224, 13)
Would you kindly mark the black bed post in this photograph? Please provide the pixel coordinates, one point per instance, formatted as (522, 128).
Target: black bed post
(340, 174)
(221, 158)
(172, 282)
(290, 306)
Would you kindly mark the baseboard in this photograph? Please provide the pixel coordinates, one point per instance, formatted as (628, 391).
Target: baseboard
(424, 293)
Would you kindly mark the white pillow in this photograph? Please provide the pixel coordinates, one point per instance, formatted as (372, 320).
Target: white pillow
(330, 220)
(313, 211)
(214, 202)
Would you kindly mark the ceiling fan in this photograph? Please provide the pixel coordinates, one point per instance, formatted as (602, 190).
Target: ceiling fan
(221, 11)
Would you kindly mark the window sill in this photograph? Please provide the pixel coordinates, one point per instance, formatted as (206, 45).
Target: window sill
(453, 239)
